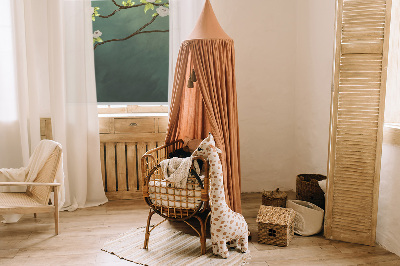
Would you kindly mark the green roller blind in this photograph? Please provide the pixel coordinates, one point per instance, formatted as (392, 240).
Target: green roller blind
(134, 70)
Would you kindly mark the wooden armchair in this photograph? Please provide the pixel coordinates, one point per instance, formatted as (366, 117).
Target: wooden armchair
(36, 197)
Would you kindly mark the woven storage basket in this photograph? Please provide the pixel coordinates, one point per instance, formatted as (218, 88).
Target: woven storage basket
(308, 189)
(274, 198)
(309, 217)
(275, 225)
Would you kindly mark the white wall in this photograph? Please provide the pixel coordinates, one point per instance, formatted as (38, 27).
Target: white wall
(388, 227)
(314, 60)
(284, 57)
(264, 33)
(284, 52)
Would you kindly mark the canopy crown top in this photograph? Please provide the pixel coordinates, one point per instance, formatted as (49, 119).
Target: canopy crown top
(207, 26)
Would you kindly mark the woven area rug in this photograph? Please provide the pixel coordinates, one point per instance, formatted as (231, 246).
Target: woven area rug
(167, 247)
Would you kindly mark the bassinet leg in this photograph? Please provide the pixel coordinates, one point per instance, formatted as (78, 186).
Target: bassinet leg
(203, 236)
(147, 235)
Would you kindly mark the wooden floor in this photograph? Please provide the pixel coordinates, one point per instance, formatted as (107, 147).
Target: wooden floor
(83, 232)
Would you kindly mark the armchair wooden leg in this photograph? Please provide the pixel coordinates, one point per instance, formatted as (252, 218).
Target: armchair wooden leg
(147, 235)
(34, 215)
(56, 212)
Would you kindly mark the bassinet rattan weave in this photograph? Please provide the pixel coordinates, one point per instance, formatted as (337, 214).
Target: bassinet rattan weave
(175, 203)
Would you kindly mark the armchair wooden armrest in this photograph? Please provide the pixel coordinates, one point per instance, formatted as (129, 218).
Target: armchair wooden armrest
(29, 184)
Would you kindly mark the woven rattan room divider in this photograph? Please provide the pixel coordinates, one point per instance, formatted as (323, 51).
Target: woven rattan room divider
(358, 97)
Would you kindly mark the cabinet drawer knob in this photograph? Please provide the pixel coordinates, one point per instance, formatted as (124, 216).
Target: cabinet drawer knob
(133, 124)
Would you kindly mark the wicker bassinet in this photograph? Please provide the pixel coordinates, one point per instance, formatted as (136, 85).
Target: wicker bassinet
(170, 202)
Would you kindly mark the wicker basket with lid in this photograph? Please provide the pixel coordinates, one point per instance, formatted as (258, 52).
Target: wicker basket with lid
(274, 198)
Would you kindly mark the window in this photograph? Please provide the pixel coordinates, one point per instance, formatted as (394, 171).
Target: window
(8, 93)
(130, 41)
(392, 108)
(391, 130)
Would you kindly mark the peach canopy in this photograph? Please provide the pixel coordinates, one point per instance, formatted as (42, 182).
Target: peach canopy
(211, 105)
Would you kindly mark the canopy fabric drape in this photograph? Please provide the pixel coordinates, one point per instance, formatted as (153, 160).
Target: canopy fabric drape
(211, 106)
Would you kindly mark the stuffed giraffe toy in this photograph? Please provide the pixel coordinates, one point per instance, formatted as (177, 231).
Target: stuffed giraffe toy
(226, 225)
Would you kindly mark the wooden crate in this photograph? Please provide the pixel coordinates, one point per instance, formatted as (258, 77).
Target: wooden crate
(123, 141)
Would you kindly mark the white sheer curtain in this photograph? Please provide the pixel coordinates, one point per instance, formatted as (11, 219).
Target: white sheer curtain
(183, 16)
(10, 144)
(54, 78)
